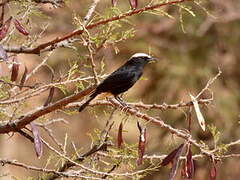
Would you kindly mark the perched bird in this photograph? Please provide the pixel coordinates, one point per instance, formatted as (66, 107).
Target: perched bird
(122, 79)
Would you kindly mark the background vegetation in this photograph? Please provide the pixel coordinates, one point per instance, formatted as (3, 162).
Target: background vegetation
(191, 39)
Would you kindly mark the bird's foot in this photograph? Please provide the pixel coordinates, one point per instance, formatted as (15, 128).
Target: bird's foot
(120, 100)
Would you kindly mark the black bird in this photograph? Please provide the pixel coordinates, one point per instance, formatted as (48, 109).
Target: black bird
(122, 79)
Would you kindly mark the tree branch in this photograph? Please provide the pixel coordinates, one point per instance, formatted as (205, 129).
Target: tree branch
(145, 106)
(15, 125)
(162, 124)
(41, 47)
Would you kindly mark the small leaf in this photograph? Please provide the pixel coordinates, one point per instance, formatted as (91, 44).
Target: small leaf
(213, 173)
(37, 140)
(23, 79)
(3, 53)
(175, 162)
(20, 28)
(141, 144)
(120, 137)
(4, 28)
(15, 69)
(114, 2)
(200, 118)
(133, 3)
(50, 96)
(171, 156)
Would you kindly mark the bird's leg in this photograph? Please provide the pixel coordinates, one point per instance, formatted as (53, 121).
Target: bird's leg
(120, 100)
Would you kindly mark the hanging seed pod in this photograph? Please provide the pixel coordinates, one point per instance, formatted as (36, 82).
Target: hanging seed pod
(188, 165)
(133, 3)
(175, 161)
(171, 156)
(141, 143)
(37, 140)
(50, 96)
(20, 28)
(15, 70)
(120, 137)
(4, 29)
(213, 172)
(23, 79)
(200, 117)
(114, 2)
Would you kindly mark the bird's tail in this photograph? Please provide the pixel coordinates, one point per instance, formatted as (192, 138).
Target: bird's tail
(92, 96)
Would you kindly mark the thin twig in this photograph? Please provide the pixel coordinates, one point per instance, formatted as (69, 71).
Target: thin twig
(43, 170)
(12, 84)
(90, 52)
(209, 83)
(93, 65)
(162, 156)
(90, 12)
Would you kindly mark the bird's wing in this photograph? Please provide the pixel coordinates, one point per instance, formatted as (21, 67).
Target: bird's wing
(120, 80)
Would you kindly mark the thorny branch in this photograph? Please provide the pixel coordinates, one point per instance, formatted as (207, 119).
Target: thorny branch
(162, 156)
(90, 52)
(62, 173)
(53, 2)
(41, 47)
(21, 122)
(146, 106)
(12, 84)
(162, 124)
(209, 83)
(90, 12)
(44, 170)
(99, 146)
(88, 169)
(39, 90)
(131, 111)
(86, 20)
(17, 124)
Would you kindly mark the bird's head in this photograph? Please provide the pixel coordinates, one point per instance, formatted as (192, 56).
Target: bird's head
(142, 58)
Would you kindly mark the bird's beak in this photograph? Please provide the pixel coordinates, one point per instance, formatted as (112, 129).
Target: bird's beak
(151, 60)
